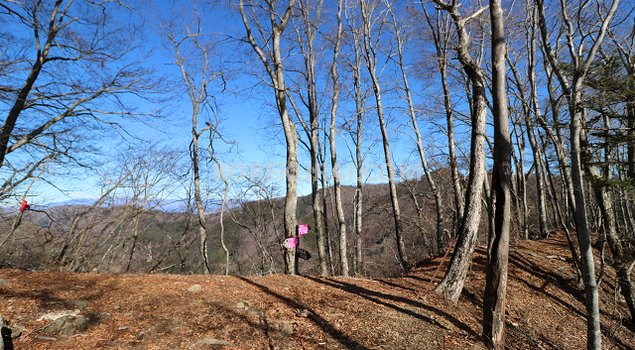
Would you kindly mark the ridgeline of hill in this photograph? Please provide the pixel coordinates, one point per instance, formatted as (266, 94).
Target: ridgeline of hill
(123, 311)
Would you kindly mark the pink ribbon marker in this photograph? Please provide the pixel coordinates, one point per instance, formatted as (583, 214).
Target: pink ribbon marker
(290, 243)
(303, 229)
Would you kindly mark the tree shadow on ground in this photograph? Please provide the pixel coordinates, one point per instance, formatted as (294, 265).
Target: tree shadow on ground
(312, 315)
(525, 264)
(46, 296)
(524, 332)
(263, 324)
(380, 298)
(396, 285)
(522, 263)
(555, 242)
(472, 298)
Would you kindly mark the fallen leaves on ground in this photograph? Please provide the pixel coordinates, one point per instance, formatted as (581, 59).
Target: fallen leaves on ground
(545, 308)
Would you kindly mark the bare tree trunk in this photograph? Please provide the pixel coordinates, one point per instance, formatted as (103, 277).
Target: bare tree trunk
(588, 268)
(535, 147)
(451, 285)
(520, 194)
(318, 211)
(276, 74)
(620, 261)
(327, 233)
(135, 237)
(415, 127)
(359, 159)
(573, 93)
(370, 55)
(200, 211)
(441, 36)
(496, 278)
(223, 205)
(341, 219)
(312, 105)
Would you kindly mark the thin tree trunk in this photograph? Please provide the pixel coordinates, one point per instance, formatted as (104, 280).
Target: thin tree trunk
(135, 237)
(394, 200)
(440, 233)
(521, 181)
(620, 263)
(327, 234)
(306, 46)
(341, 219)
(441, 39)
(318, 208)
(496, 278)
(359, 159)
(223, 204)
(535, 147)
(200, 211)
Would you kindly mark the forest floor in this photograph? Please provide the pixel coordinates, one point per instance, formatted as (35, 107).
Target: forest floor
(545, 309)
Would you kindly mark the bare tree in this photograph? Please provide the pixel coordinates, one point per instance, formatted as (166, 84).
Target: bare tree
(370, 54)
(272, 62)
(192, 50)
(48, 99)
(452, 283)
(441, 31)
(573, 91)
(355, 128)
(494, 298)
(532, 112)
(341, 219)
(440, 231)
(306, 27)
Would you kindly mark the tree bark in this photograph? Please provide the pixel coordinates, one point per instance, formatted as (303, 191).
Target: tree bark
(341, 219)
(573, 92)
(359, 158)
(496, 277)
(314, 120)
(276, 75)
(451, 285)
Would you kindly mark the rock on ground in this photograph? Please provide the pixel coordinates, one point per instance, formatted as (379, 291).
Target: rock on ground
(67, 325)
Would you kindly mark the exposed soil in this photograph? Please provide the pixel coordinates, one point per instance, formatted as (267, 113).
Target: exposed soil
(545, 309)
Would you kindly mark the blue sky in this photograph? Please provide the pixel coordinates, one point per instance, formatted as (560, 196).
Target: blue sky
(245, 108)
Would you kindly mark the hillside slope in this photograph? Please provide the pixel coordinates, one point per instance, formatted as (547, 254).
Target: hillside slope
(545, 310)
